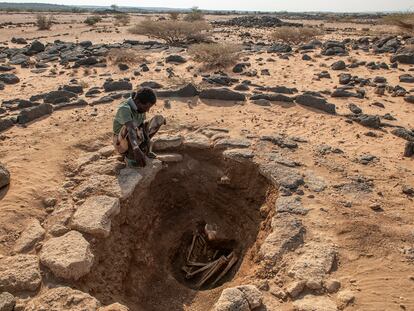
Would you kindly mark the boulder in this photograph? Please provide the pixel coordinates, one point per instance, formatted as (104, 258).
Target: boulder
(188, 90)
(86, 61)
(178, 59)
(339, 65)
(222, 94)
(280, 175)
(32, 234)
(4, 176)
(68, 256)
(121, 85)
(114, 307)
(56, 97)
(94, 215)
(345, 93)
(238, 154)
(5, 124)
(73, 88)
(316, 103)
(280, 48)
(35, 47)
(4, 68)
(407, 78)
(32, 113)
(63, 299)
(197, 141)
(19, 273)
(9, 78)
(291, 205)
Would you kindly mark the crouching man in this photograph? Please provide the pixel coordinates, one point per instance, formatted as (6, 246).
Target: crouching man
(132, 134)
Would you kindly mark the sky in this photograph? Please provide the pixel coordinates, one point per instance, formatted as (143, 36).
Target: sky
(251, 5)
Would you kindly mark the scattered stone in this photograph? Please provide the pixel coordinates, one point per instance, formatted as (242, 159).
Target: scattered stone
(314, 183)
(261, 102)
(406, 78)
(114, 307)
(4, 68)
(151, 84)
(282, 142)
(281, 175)
(279, 48)
(197, 141)
(344, 78)
(4, 176)
(35, 47)
(272, 97)
(5, 124)
(332, 286)
(94, 215)
(9, 78)
(32, 234)
(121, 85)
(367, 120)
(345, 298)
(316, 103)
(63, 299)
(339, 65)
(19, 273)
(408, 190)
(68, 256)
(32, 113)
(222, 94)
(56, 97)
(178, 59)
(188, 90)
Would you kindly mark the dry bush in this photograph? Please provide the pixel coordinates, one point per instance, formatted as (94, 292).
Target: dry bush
(174, 15)
(194, 15)
(172, 32)
(125, 56)
(215, 55)
(43, 22)
(92, 20)
(404, 21)
(295, 35)
(122, 18)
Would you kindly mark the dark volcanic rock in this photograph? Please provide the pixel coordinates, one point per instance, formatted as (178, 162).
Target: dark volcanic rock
(56, 97)
(279, 48)
(409, 99)
(407, 78)
(222, 94)
(73, 88)
(404, 55)
(17, 103)
(121, 85)
(316, 102)
(5, 124)
(344, 78)
(35, 47)
(367, 120)
(354, 108)
(87, 61)
(339, 65)
(221, 80)
(273, 97)
(175, 59)
(255, 21)
(9, 78)
(278, 89)
(403, 133)
(74, 104)
(345, 93)
(187, 91)
(6, 68)
(18, 40)
(30, 114)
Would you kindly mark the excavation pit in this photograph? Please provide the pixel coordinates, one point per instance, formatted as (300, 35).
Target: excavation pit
(142, 264)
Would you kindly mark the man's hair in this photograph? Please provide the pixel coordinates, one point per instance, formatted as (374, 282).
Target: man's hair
(145, 95)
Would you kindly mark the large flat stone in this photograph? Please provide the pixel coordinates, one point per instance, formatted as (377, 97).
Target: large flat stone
(68, 256)
(315, 263)
(232, 143)
(281, 175)
(94, 215)
(63, 299)
(197, 141)
(165, 142)
(19, 273)
(32, 234)
(291, 205)
(314, 303)
(238, 154)
(240, 298)
(287, 235)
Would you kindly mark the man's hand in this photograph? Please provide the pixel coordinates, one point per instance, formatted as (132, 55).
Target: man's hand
(139, 157)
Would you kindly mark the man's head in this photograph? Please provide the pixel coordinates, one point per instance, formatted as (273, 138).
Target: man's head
(144, 99)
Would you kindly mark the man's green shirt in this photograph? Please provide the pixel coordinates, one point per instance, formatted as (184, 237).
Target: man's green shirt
(125, 114)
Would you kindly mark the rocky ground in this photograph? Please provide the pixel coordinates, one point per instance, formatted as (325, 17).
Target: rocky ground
(306, 150)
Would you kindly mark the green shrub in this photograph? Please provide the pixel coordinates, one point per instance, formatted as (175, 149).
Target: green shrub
(215, 55)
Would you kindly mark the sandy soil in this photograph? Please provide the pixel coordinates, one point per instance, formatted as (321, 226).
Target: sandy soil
(370, 243)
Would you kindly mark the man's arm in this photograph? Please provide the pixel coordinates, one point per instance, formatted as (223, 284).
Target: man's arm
(133, 139)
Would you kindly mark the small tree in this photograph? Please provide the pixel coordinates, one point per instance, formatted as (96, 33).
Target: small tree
(43, 22)
(173, 32)
(194, 15)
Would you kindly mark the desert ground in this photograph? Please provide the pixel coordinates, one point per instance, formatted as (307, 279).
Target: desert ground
(304, 161)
